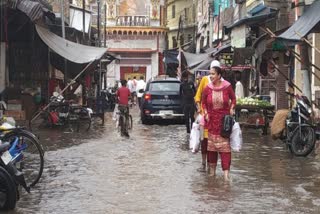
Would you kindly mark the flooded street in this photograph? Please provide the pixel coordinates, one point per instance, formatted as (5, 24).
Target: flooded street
(153, 172)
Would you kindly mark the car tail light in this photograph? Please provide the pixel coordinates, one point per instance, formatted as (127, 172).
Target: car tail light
(147, 96)
(147, 111)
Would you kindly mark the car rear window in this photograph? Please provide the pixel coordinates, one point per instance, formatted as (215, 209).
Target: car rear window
(164, 86)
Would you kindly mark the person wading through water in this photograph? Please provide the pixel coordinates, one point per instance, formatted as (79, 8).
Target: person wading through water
(204, 143)
(187, 92)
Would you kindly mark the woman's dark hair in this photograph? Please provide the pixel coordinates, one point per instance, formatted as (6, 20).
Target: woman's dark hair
(218, 70)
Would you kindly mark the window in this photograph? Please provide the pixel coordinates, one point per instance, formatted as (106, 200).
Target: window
(174, 42)
(186, 14)
(173, 11)
(164, 86)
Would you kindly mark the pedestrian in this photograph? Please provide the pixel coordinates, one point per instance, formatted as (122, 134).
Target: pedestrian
(133, 92)
(123, 96)
(141, 84)
(239, 87)
(218, 100)
(203, 83)
(187, 92)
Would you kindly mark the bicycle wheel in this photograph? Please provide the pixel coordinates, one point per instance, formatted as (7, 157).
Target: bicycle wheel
(24, 132)
(130, 122)
(40, 119)
(121, 124)
(8, 191)
(32, 162)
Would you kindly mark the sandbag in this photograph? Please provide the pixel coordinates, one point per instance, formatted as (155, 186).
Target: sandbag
(279, 123)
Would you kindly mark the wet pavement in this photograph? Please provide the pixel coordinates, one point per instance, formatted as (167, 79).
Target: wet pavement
(153, 172)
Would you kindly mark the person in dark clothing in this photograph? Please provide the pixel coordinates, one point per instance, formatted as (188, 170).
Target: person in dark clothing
(187, 93)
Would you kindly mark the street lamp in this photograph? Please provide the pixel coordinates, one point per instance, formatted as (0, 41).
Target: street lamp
(98, 22)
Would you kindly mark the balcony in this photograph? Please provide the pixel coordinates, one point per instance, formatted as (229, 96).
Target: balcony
(133, 21)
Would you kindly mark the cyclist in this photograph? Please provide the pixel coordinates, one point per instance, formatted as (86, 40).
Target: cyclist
(123, 96)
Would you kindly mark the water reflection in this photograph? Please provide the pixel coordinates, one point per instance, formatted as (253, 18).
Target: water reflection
(153, 172)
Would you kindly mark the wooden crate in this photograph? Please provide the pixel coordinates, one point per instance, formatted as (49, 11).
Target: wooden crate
(17, 115)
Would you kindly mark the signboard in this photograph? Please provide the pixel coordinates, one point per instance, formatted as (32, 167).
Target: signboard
(201, 73)
(238, 37)
(76, 16)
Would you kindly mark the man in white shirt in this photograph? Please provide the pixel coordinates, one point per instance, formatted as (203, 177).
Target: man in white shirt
(141, 84)
(134, 89)
(129, 84)
(239, 88)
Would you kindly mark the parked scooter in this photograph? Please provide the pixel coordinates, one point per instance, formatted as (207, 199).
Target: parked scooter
(299, 133)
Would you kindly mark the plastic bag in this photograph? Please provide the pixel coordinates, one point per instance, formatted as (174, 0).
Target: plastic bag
(236, 138)
(200, 119)
(194, 142)
(115, 115)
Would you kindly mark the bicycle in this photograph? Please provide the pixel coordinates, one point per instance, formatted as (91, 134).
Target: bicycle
(124, 120)
(32, 158)
(60, 114)
(11, 178)
(28, 147)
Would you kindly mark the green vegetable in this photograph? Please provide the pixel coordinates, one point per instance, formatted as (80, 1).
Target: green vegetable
(248, 101)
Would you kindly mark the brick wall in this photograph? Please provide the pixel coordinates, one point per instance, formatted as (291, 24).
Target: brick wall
(282, 97)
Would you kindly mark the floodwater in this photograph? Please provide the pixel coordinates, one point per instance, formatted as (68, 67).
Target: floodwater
(153, 172)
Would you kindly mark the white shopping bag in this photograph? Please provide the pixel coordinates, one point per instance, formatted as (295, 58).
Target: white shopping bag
(115, 115)
(236, 138)
(194, 142)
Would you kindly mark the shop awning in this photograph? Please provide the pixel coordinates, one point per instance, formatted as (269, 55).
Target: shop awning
(194, 59)
(71, 51)
(205, 64)
(220, 49)
(257, 19)
(304, 25)
(33, 9)
(203, 61)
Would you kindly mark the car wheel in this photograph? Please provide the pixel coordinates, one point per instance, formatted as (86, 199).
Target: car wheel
(144, 120)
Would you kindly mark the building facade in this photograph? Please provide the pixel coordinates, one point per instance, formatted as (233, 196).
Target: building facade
(181, 20)
(135, 33)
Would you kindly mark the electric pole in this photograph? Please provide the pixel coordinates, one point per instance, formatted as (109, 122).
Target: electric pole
(105, 25)
(65, 76)
(305, 70)
(83, 20)
(98, 22)
(210, 22)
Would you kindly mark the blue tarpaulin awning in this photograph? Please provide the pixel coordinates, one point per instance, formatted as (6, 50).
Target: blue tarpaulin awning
(304, 25)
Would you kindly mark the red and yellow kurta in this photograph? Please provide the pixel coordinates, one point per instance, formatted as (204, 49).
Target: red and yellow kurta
(217, 102)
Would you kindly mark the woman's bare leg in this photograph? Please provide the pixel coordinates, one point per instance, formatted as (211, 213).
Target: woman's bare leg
(226, 175)
(212, 169)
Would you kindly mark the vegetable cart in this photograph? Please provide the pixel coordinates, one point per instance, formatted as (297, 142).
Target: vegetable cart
(254, 113)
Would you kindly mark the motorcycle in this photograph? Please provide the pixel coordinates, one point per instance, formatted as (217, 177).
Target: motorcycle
(109, 96)
(299, 133)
